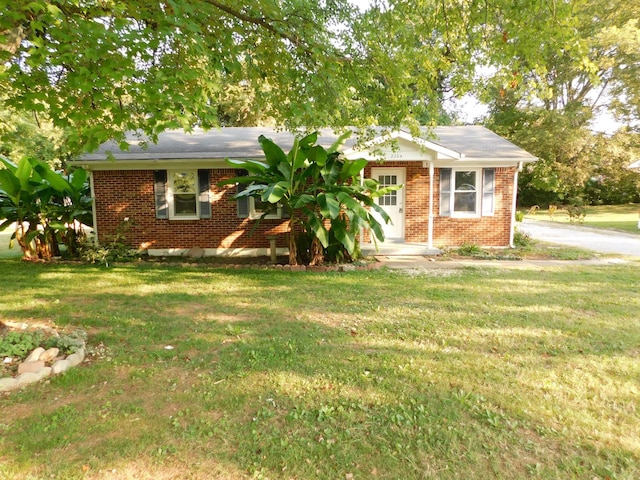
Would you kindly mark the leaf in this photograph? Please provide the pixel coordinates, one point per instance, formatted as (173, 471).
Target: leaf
(318, 228)
(329, 205)
(302, 200)
(339, 142)
(275, 192)
(272, 152)
(10, 184)
(344, 237)
(23, 172)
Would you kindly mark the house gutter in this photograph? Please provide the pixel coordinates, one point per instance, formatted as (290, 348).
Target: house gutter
(513, 205)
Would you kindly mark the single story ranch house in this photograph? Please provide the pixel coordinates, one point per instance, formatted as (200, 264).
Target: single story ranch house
(459, 186)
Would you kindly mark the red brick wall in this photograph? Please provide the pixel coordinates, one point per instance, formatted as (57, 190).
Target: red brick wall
(129, 193)
(485, 231)
(493, 231)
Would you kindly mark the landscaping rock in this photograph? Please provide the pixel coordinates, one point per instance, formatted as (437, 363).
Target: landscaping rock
(75, 359)
(7, 384)
(27, 378)
(195, 252)
(44, 372)
(35, 355)
(49, 355)
(32, 366)
(60, 366)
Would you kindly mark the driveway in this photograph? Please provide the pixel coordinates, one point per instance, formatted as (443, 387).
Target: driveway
(602, 241)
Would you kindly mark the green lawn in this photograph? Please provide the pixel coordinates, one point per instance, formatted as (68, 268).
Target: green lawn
(619, 217)
(470, 374)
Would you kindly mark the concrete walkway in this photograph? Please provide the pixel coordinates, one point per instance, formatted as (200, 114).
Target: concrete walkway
(418, 263)
(598, 240)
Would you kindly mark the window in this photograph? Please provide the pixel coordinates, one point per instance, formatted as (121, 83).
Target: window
(182, 194)
(257, 208)
(462, 191)
(390, 198)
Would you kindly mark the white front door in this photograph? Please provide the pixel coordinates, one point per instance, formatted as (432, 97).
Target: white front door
(393, 202)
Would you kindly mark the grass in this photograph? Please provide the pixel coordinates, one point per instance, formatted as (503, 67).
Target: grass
(618, 217)
(468, 374)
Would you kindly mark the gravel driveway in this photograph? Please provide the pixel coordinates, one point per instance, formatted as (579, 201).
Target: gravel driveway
(602, 241)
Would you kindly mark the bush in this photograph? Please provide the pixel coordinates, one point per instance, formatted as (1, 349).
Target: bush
(519, 216)
(470, 250)
(115, 249)
(521, 239)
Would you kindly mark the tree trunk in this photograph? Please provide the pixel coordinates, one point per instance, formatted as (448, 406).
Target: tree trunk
(293, 249)
(317, 252)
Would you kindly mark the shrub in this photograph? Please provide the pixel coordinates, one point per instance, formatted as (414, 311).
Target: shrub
(519, 216)
(521, 239)
(470, 250)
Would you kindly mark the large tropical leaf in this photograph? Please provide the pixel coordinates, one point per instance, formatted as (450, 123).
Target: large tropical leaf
(329, 205)
(318, 228)
(8, 164)
(317, 155)
(274, 192)
(10, 184)
(56, 180)
(272, 152)
(23, 172)
(335, 146)
(78, 178)
(352, 168)
(343, 235)
(251, 166)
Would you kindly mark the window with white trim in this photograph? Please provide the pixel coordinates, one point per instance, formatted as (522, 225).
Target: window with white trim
(257, 208)
(466, 192)
(183, 194)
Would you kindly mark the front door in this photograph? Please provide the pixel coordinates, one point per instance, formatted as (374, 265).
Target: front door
(393, 202)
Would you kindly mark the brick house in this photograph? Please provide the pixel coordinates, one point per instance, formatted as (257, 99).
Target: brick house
(459, 186)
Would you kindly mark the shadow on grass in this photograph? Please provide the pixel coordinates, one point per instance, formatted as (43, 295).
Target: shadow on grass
(320, 375)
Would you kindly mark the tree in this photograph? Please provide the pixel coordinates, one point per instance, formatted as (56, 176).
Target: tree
(322, 193)
(103, 68)
(46, 208)
(545, 99)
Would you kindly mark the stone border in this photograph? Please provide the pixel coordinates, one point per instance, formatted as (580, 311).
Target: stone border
(33, 368)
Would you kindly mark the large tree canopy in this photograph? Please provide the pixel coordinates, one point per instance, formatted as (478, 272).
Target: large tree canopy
(102, 67)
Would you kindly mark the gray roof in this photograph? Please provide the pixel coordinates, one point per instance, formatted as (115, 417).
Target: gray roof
(242, 142)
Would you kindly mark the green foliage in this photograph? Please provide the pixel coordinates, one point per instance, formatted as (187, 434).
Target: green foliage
(470, 250)
(46, 208)
(519, 215)
(66, 343)
(521, 239)
(576, 210)
(114, 249)
(19, 344)
(321, 192)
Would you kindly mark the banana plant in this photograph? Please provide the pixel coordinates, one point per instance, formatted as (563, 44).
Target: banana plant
(322, 192)
(45, 207)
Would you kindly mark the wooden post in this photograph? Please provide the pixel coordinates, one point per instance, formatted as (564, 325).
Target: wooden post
(272, 248)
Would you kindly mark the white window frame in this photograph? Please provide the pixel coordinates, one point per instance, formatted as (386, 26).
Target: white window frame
(452, 194)
(171, 191)
(256, 214)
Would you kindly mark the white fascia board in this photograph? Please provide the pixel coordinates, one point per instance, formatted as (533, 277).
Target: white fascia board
(482, 162)
(361, 152)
